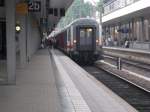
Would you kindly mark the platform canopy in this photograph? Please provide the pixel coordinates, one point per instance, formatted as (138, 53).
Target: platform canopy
(50, 11)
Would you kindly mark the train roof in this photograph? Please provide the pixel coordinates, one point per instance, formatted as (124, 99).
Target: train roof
(84, 20)
(81, 21)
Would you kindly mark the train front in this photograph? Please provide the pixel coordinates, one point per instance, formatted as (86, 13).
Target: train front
(86, 41)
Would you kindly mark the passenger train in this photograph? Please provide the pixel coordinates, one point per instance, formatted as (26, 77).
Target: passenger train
(80, 40)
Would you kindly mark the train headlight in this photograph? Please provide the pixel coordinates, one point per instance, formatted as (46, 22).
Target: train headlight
(89, 30)
(74, 41)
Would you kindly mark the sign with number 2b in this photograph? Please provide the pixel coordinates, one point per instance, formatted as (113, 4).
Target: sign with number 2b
(34, 6)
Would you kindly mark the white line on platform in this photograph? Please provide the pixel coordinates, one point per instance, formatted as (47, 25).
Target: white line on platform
(78, 102)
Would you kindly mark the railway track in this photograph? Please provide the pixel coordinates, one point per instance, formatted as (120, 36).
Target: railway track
(135, 96)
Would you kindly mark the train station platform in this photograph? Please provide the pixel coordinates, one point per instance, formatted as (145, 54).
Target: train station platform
(35, 89)
(52, 82)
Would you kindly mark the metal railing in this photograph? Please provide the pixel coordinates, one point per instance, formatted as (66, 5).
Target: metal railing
(114, 5)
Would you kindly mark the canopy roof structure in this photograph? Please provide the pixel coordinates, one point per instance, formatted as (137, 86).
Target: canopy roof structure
(51, 12)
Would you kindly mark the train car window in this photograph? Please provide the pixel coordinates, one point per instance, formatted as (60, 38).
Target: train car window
(82, 36)
(89, 32)
(82, 33)
(89, 35)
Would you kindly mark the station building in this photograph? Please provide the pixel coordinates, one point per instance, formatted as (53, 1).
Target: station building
(23, 24)
(126, 20)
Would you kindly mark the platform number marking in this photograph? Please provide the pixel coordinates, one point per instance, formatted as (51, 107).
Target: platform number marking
(34, 6)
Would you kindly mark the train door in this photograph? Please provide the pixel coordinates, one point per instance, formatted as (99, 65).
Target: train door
(86, 39)
(3, 50)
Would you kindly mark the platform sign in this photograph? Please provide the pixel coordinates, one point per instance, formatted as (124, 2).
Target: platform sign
(34, 6)
(22, 8)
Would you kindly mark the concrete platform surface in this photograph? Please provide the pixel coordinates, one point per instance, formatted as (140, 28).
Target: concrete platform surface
(35, 89)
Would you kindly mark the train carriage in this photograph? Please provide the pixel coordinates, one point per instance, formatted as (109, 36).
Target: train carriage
(80, 40)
